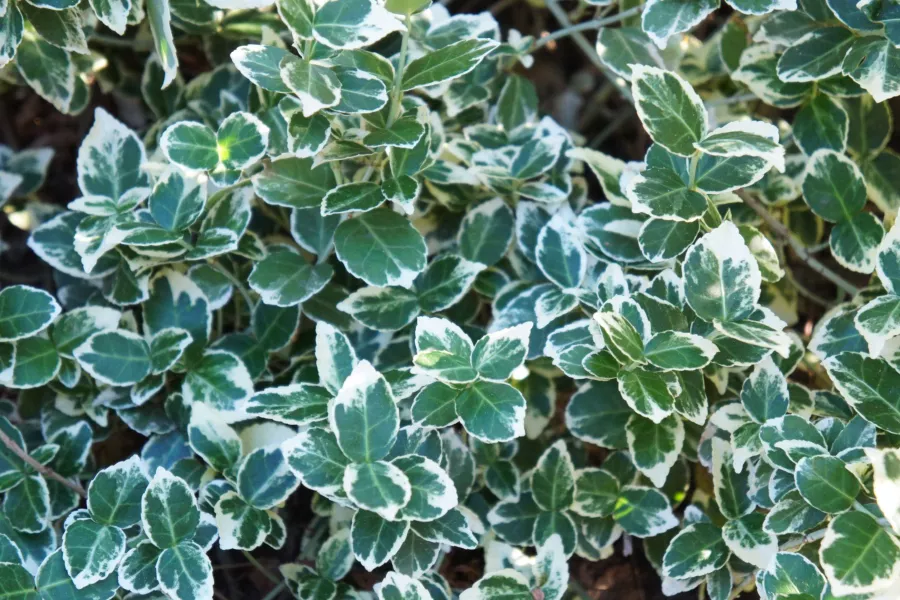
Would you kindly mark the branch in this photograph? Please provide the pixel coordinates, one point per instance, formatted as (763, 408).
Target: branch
(802, 251)
(585, 26)
(42, 469)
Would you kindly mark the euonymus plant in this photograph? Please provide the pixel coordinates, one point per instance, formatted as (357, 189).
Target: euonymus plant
(352, 262)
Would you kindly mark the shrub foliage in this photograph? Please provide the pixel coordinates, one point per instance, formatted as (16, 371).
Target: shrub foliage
(353, 258)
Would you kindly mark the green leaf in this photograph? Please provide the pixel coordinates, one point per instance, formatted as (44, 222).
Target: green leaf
(854, 243)
(745, 138)
(747, 540)
(826, 483)
(18, 583)
(295, 404)
(671, 111)
(452, 529)
(732, 489)
(212, 439)
(54, 583)
(160, 26)
(261, 65)
(886, 481)
(377, 486)
(792, 514)
(443, 350)
(117, 358)
(315, 86)
(381, 247)
(25, 311)
(190, 145)
(486, 232)
(644, 512)
(317, 459)
(596, 492)
(492, 412)
(677, 351)
(28, 505)
(48, 70)
(114, 496)
(374, 540)
(867, 384)
(285, 278)
(137, 571)
(219, 380)
(185, 572)
(661, 192)
(351, 24)
(859, 556)
(36, 363)
(660, 239)
(621, 47)
(433, 494)
(447, 63)
(822, 123)
(764, 393)
(364, 416)
(622, 339)
(352, 197)
(445, 281)
(498, 354)
(721, 278)
(553, 478)
(169, 512)
(816, 55)
(92, 551)
(177, 201)
(404, 133)
(335, 357)
(647, 393)
(361, 92)
(241, 140)
(381, 308)
(662, 19)
(167, 347)
(833, 186)
(655, 447)
(559, 253)
(872, 63)
(294, 183)
(264, 479)
(697, 550)
(506, 584)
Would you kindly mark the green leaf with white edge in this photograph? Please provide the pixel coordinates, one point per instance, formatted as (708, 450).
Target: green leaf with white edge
(888, 264)
(872, 63)
(765, 334)
(381, 308)
(117, 358)
(294, 404)
(435, 405)
(18, 583)
(286, 278)
(678, 351)
(660, 239)
(400, 587)
(377, 486)
(833, 186)
(764, 393)
(506, 584)
(867, 384)
(91, 551)
(185, 572)
(826, 483)
(622, 339)
(452, 529)
(746, 538)
(661, 192)
(261, 65)
(621, 47)
(381, 247)
(449, 62)
(294, 183)
(486, 232)
(816, 55)
(352, 24)
(821, 123)
(315, 85)
(364, 416)
(403, 191)
(361, 92)
(655, 447)
(159, 17)
(560, 254)
(647, 393)
(661, 19)
(221, 380)
(166, 348)
(854, 243)
(859, 556)
(25, 311)
(886, 483)
(314, 232)
(111, 159)
(374, 540)
(137, 571)
(298, 16)
(169, 512)
(190, 145)
(264, 479)
(36, 363)
(745, 138)
(671, 111)
(335, 558)
(317, 459)
(498, 354)
(352, 197)
(48, 70)
(697, 550)
(404, 133)
(731, 489)
(721, 278)
(443, 350)
(491, 411)
(177, 200)
(643, 512)
(764, 253)
(114, 496)
(433, 493)
(596, 492)
(71, 329)
(213, 439)
(241, 140)
(877, 322)
(27, 505)
(304, 582)
(553, 478)
(445, 281)
(335, 357)
(792, 514)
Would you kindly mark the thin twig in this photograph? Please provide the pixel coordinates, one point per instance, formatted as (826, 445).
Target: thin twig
(778, 228)
(42, 469)
(234, 281)
(276, 591)
(259, 566)
(585, 26)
